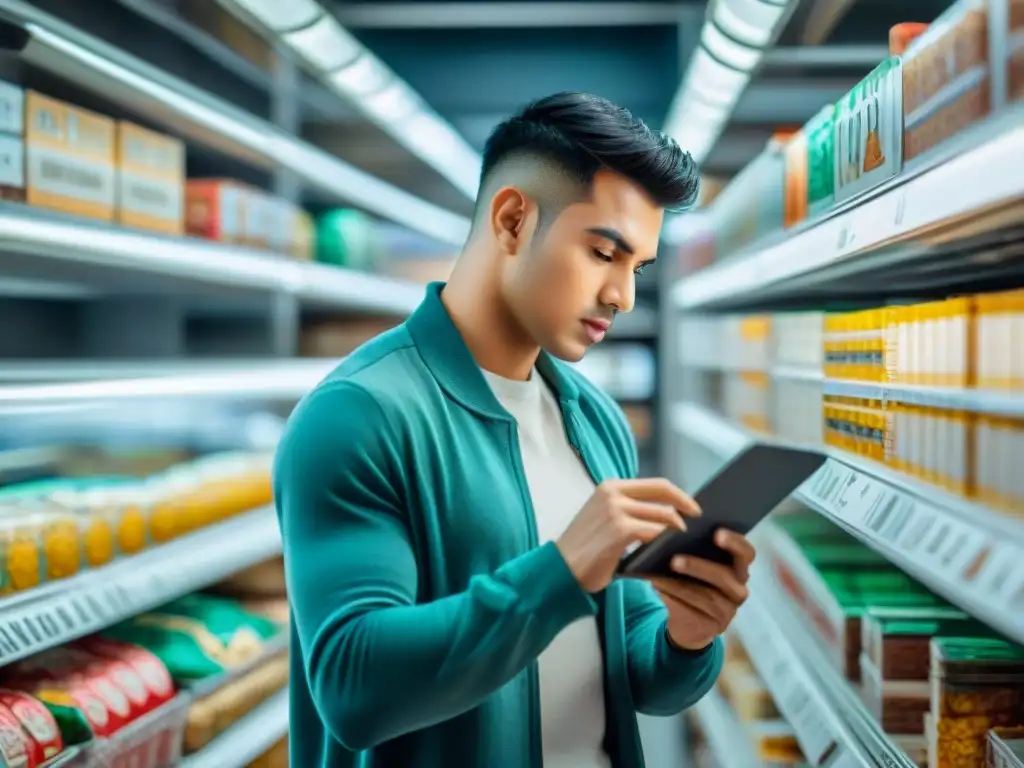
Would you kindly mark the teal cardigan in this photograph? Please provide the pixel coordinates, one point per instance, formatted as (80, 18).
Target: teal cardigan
(420, 599)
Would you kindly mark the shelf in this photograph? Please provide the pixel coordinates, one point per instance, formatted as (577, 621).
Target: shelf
(724, 733)
(819, 259)
(63, 610)
(830, 722)
(246, 740)
(197, 116)
(994, 403)
(969, 554)
(92, 384)
(122, 261)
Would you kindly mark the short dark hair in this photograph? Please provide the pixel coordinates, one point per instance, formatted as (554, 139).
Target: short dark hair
(581, 134)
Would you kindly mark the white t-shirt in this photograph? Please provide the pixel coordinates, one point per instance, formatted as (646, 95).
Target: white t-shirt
(571, 667)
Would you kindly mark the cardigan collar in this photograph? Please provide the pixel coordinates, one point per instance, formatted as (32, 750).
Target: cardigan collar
(453, 367)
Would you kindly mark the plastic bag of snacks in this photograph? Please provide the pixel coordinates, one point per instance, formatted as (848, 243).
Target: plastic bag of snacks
(199, 635)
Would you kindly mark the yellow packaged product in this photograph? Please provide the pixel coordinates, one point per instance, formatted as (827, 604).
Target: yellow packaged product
(994, 342)
(150, 180)
(996, 473)
(97, 519)
(39, 544)
(69, 158)
(1015, 307)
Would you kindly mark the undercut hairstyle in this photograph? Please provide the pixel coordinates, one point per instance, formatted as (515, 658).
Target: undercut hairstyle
(553, 148)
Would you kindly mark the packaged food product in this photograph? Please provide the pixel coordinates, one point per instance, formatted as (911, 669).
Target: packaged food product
(1014, 51)
(821, 160)
(902, 35)
(897, 640)
(753, 203)
(150, 180)
(69, 158)
(38, 544)
(12, 142)
(303, 235)
(346, 238)
(774, 741)
(16, 750)
(275, 757)
(946, 77)
(976, 677)
(43, 738)
(898, 705)
(996, 471)
(214, 209)
(213, 714)
(869, 131)
(747, 694)
(199, 635)
(150, 670)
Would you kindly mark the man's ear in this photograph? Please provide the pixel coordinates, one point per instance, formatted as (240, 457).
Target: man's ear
(509, 211)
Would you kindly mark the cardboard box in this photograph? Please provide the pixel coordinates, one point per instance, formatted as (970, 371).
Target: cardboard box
(12, 142)
(214, 209)
(70, 158)
(150, 180)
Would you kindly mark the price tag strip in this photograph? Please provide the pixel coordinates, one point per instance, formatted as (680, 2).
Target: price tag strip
(972, 556)
(969, 400)
(921, 197)
(724, 733)
(826, 714)
(968, 555)
(63, 610)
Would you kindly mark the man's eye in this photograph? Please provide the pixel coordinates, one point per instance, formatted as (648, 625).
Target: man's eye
(639, 270)
(601, 254)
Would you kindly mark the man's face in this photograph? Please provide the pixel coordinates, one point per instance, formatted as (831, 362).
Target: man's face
(570, 280)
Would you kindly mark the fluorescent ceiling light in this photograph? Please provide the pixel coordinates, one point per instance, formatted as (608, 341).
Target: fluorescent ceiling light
(325, 45)
(395, 102)
(358, 76)
(442, 147)
(361, 77)
(712, 78)
(748, 21)
(282, 15)
(727, 50)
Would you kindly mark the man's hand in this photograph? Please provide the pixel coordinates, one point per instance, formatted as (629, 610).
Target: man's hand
(699, 611)
(619, 513)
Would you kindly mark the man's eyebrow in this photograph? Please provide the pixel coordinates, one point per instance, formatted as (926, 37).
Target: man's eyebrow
(621, 244)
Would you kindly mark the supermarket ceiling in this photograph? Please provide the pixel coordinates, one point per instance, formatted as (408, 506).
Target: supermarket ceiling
(474, 61)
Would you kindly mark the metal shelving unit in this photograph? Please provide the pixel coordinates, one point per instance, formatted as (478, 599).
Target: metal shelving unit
(724, 733)
(900, 223)
(63, 610)
(971, 555)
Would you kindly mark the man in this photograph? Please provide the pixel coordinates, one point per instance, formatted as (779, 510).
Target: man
(454, 499)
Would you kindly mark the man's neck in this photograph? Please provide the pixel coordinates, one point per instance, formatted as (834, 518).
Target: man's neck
(494, 338)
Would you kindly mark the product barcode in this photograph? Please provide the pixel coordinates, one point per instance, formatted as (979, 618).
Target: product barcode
(81, 177)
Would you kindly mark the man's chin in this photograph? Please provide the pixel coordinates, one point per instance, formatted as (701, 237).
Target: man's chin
(572, 352)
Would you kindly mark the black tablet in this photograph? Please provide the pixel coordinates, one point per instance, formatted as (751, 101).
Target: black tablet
(740, 496)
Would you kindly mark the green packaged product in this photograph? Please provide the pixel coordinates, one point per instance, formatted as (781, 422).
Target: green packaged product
(844, 554)
(896, 639)
(199, 635)
(346, 238)
(821, 143)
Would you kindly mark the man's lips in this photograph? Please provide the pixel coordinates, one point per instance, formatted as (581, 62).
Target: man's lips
(596, 328)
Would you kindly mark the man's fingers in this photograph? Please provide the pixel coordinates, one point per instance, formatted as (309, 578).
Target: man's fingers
(654, 513)
(659, 491)
(721, 577)
(740, 548)
(697, 597)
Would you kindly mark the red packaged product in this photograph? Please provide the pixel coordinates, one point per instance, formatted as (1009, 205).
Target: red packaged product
(15, 747)
(148, 666)
(37, 722)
